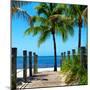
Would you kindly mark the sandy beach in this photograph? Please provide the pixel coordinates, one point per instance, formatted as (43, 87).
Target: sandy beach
(20, 71)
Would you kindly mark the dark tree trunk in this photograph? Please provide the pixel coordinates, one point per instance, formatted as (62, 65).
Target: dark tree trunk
(79, 33)
(55, 55)
(79, 37)
(54, 43)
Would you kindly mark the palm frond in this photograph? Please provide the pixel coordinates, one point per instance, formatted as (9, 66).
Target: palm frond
(28, 31)
(18, 3)
(14, 10)
(64, 28)
(61, 18)
(43, 37)
(15, 5)
(33, 30)
(18, 12)
(59, 9)
(70, 29)
(85, 15)
(38, 19)
(42, 30)
(65, 22)
(43, 9)
(62, 31)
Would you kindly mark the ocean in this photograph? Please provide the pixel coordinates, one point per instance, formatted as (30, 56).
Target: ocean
(43, 62)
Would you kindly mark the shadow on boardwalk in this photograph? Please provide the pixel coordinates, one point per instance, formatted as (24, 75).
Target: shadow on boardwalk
(43, 79)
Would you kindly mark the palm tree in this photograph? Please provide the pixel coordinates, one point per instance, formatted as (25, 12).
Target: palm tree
(79, 12)
(51, 21)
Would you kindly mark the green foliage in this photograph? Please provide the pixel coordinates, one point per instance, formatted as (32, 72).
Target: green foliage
(77, 73)
(66, 65)
(83, 76)
(50, 20)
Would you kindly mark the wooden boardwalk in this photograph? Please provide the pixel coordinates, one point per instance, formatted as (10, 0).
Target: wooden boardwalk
(44, 79)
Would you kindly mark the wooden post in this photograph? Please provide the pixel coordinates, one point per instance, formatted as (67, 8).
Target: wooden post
(83, 57)
(13, 69)
(61, 60)
(68, 56)
(64, 55)
(35, 63)
(25, 65)
(73, 52)
(30, 64)
(73, 55)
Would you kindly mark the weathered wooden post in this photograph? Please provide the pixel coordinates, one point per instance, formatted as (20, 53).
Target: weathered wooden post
(13, 69)
(68, 56)
(25, 65)
(61, 60)
(64, 55)
(73, 55)
(30, 64)
(83, 57)
(35, 63)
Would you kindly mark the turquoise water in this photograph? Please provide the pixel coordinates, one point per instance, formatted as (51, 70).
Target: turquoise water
(43, 62)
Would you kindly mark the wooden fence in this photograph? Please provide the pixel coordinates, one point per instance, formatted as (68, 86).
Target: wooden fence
(14, 66)
(82, 54)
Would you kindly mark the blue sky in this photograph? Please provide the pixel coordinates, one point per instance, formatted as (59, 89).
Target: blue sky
(30, 43)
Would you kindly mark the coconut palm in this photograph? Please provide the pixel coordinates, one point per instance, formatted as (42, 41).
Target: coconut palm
(79, 12)
(51, 21)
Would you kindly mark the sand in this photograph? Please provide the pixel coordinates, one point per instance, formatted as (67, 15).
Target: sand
(20, 71)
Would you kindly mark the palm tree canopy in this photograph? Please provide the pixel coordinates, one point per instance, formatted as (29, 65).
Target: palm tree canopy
(51, 19)
(78, 11)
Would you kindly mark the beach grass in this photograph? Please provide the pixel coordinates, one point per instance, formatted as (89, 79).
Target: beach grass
(76, 72)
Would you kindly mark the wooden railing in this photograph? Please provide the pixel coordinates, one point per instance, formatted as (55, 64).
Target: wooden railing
(82, 53)
(14, 66)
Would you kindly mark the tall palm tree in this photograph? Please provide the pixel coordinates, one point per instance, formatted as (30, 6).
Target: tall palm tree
(79, 12)
(51, 21)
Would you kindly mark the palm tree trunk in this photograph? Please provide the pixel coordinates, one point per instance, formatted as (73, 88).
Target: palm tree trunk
(54, 44)
(79, 33)
(55, 55)
(79, 38)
